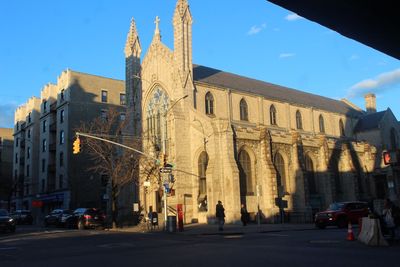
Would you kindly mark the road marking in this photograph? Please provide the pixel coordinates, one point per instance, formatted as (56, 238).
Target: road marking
(116, 245)
(276, 235)
(324, 241)
(9, 248)
(233, 236)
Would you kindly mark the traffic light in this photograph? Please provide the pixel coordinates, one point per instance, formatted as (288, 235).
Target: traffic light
(76, 146)
(389, 157)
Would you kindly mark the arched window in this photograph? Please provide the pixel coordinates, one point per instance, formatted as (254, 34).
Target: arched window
(393, 139)
(156, 123)
(195, 98)
(272, 115)
(341, 128)
(321, 124)
(280, 172)
(299, 123)
(312, 186)
(245, 177)
(243, 110)
(209, 104)
(202, 170)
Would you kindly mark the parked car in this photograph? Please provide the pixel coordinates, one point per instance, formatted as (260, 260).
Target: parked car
(341, 213)
(22, 216)
(6, 222)
(86, 218)
(57, 217)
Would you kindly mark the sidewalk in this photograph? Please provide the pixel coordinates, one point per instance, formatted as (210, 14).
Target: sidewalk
(229, 229)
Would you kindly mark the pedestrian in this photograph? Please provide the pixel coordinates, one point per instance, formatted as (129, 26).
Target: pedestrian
(220, 214)
(388, 217)
(244, 215)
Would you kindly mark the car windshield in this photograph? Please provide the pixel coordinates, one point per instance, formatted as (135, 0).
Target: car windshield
(335, 206)
(3, 213)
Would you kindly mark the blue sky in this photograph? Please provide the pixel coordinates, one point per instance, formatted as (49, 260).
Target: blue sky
(40, 39)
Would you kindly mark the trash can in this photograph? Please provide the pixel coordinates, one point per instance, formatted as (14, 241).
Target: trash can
(171, 224)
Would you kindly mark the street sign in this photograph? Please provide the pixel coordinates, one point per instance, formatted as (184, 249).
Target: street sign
(166, 170)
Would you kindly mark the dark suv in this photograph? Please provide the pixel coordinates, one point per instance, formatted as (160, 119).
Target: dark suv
(341, 213)
(86, 218)
(22, 216)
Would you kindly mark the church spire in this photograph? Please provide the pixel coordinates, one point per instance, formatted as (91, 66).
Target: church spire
(157, 35)
(132, 45)
(182, 22)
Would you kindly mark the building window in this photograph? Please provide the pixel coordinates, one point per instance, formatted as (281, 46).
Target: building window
(44, 145)
(310, 176)
(299, 123)
(60, 181)
(29, 117)
(272, 115)
(321, 124)
(62, 137)
(393, 139)
(104, 114)
(28, 153)
(43, 165)
(122, 99)
(245, 177)
(195, 98)
(202, 170)
(17, 126)
(17, 142)
(280, 173)
(61, 159)
(62, 116)
(44, 106)
(62, 95)
(44, 124)
(104, 96)
(29, 133)
(209, 104)
(341, 128)
(16, 158)
(27, 170)
(244, 116)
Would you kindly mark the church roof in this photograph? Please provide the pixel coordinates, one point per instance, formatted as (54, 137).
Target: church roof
(270, 91)
(369, 121)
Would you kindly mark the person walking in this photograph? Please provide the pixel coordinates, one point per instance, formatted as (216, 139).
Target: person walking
(244, 215)
(220, 214)
(388, 218)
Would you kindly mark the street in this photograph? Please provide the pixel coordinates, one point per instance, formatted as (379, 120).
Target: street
(59, 247)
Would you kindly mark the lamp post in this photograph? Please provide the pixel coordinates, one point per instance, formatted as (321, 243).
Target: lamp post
(164, 150)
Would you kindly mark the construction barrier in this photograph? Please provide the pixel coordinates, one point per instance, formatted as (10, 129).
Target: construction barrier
(371, 234)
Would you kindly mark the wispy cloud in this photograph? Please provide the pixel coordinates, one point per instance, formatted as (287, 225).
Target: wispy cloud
(7, 114)
(379, 84)
(354, 57)
(293, 17)
(286, 55)
(255, 29)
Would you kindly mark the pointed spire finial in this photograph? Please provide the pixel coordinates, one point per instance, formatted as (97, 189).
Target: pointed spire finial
(132, 40)
(157, 30)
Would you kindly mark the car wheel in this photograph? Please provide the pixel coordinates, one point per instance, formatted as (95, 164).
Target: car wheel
(80, 225)
(342, 222)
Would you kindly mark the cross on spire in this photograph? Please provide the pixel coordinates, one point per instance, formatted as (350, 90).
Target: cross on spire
(157, 31)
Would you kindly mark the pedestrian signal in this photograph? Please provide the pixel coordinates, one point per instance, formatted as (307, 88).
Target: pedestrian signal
(76, 146)
(389, 157)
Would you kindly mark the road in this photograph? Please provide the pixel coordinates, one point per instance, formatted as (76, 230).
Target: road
(58, 247)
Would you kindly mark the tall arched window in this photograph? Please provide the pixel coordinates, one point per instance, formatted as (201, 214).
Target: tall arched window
(195, 98)
(243, 110)
(341, 128)
(202, 170)
(209, 101)
(272, 115)
(245, 177)
(299, 123)
(156, 123)
(393, 139)
(321, 124)
(280, 172)
(312, 186)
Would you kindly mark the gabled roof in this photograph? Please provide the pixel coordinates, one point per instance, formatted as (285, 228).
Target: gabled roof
(369, 121)
(271, 91)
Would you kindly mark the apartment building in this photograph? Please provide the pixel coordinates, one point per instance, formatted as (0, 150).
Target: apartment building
(52, 176)
(6, 162)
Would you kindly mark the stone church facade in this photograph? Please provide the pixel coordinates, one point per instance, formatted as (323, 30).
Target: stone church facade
(240, 140)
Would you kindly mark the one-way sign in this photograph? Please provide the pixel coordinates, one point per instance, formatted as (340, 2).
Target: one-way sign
(166, 170)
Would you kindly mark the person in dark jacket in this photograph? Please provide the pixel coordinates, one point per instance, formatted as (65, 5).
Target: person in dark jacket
(220, 214)
(244, 215)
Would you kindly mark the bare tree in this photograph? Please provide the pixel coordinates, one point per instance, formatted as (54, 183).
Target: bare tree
(118, 164)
